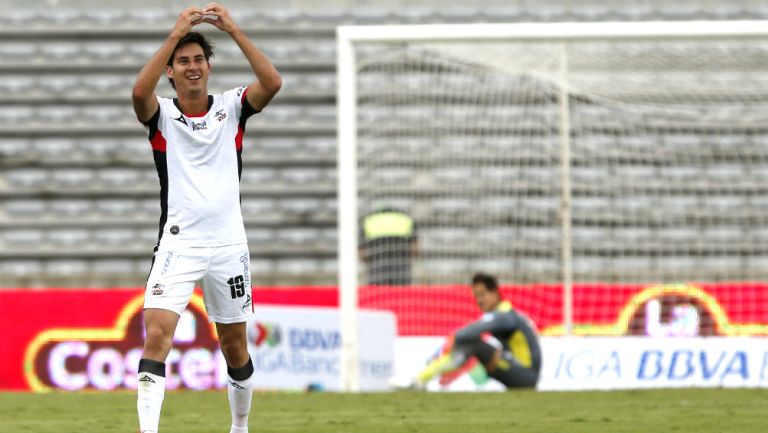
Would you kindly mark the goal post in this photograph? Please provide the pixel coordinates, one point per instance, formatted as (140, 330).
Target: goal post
(556, 154)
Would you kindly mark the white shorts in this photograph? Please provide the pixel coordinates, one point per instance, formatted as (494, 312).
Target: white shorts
(223, 271)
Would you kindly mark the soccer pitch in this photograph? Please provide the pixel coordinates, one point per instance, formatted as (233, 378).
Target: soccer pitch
(683, 410)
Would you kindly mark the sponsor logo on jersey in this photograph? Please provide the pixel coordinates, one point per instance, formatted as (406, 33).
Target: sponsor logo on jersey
(197, 126)
(220, 115)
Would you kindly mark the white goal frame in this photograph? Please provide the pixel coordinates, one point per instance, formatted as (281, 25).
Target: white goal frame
(347, 36)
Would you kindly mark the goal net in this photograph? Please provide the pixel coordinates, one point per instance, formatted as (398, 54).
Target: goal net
(614, 176)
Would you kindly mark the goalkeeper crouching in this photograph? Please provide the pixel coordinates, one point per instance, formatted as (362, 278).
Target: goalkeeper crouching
(515, 364)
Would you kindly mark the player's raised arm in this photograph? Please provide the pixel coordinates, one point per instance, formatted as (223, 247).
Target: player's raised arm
(144, 99)
(268, 80)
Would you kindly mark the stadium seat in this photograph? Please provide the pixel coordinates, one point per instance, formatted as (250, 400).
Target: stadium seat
(388, 175)
(108, 114)
(119, 177)
(17, 115)
(257, 207)
(73, 178)
(69, 237)
(298, 207)
(107, 267)
(55, 149)
(23, 237)
(60, 50)
(261, 236)
(104, 51)
(297, 266)
(142, 50)
(306, 236)
(260, 269)
(71, 208)
(58, 114)
(149, 16)
(27, 177)
(107, 208)
(18, 51)
(115, 236)
(260, 176)
(296, 176)
(16, 84)
(21, 268)
(23, 208)
(443, 237)
(70, 267)
(100, 149)
(14, 149)
(319, 147)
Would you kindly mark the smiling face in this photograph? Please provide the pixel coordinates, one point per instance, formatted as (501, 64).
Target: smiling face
(190, 70)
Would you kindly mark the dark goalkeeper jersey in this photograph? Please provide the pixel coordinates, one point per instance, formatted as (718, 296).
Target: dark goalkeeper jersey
(512, 329)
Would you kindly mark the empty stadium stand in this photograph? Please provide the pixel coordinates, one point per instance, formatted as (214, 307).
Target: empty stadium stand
(78, 188)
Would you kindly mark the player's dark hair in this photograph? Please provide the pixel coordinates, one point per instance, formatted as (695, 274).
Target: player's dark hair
(488, 280)
(191, 38)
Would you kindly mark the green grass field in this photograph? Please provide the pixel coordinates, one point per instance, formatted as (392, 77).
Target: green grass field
(685, 410)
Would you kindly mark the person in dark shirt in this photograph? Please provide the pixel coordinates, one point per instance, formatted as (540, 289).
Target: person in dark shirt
(516, 364)
(388, 243)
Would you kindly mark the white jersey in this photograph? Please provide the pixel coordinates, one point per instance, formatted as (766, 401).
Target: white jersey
(198, 160)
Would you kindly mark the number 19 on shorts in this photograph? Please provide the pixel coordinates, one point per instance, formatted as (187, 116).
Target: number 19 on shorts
(236, 286)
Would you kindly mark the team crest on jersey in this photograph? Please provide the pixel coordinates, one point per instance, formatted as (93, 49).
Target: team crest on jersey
(220, 115)
(197, 126)
(157, 289)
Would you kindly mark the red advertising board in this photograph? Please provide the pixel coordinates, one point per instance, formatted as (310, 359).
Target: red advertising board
(78, 339)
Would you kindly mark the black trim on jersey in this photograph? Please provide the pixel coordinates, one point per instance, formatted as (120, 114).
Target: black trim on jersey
(161, 163)
(239, 164)
(210, 104)
(246, 112)
(153, 123)
(152, 263)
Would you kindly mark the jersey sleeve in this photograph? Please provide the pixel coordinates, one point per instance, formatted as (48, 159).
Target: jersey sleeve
(154, 127)
(489, 322)
(238, 104)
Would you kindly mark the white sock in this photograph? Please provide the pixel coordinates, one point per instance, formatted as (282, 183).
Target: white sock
(240, 393)
(151, 390)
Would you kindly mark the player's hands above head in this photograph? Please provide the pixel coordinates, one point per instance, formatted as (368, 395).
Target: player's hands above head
(218, 16)
(187, 19)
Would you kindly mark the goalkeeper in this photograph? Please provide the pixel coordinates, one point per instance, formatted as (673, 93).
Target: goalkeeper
(515, 364)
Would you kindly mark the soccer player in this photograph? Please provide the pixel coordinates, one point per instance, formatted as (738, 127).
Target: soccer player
(196, 140)
(515, 364)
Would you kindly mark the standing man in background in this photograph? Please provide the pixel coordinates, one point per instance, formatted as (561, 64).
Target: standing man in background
(197, 142)
(388, 244)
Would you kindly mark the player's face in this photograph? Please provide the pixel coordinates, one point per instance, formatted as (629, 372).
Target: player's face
(190, 69)
(486, 299)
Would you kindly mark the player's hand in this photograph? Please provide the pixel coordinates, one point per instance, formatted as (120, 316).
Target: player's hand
(218, 16)
(187, 19)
